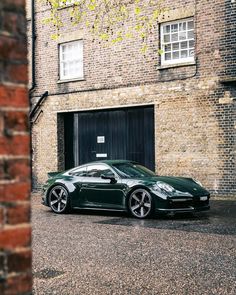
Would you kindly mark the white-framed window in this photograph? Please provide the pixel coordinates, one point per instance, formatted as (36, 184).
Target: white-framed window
(71, 60)
(177, 42)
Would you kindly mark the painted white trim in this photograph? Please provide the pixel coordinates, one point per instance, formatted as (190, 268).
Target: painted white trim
(162, 44)
(70, 76)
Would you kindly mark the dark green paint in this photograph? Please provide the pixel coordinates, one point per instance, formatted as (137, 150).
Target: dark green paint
(89, 192)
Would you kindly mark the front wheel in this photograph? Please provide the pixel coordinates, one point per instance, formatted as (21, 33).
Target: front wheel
(59, 199)
(140, 203)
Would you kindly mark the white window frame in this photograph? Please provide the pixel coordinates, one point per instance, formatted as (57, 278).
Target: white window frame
(63, 62)
(189, 59)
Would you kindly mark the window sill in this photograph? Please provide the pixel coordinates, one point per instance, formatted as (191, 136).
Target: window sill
(177, 65)
(70, 80)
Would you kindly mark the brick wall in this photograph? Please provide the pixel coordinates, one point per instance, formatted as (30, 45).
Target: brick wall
(123, 65)
(195, 115)
(15, 230)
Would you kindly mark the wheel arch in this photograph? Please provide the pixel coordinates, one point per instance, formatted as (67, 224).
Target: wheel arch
(138, 186)
(54, 185)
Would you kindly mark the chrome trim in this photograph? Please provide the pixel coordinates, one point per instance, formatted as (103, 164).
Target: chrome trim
(189, 209)
(179, 209)
(181, 200)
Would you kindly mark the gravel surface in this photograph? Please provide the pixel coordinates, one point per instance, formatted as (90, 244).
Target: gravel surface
(89, 252)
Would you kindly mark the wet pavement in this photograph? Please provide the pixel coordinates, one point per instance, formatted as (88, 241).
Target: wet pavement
(91, 252)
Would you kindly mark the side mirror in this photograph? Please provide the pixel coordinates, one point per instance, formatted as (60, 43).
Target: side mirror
(110, 176)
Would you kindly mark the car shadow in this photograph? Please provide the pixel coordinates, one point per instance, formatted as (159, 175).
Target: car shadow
(219, 220)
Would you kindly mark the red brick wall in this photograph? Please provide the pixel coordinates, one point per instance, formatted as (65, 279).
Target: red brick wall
(15, 230)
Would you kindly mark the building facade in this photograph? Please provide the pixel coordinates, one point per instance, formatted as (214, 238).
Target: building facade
(174, 112)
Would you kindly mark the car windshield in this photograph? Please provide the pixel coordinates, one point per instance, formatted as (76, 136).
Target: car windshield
(132, 170)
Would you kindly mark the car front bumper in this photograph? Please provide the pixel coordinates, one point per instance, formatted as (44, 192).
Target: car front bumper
(184, 210)
(183, 204)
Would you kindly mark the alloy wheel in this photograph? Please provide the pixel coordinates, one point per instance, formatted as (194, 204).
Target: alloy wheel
(58, 199)
(140, 203)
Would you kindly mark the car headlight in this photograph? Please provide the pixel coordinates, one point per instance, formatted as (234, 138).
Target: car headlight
(197, 181)
(164, 186)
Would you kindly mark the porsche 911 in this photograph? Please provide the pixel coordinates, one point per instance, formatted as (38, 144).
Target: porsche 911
(122, 185)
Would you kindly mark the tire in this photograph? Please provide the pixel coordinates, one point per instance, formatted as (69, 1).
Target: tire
(58, 199)
(140, 203)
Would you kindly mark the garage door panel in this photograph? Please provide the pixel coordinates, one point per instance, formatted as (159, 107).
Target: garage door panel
(126, 133)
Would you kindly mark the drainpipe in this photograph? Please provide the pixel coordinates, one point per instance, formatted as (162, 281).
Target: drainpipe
(33, 38)
(38, 104)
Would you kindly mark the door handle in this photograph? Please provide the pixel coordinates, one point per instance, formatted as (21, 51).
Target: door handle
(89, 185)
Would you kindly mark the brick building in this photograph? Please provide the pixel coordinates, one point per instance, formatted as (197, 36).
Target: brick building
(175, 112)
(15, 229)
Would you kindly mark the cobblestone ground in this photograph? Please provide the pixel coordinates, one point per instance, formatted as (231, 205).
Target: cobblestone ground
(89, 252)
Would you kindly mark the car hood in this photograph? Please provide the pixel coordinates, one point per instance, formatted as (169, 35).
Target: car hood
(182, 184)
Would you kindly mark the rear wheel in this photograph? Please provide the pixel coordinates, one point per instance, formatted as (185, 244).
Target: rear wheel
(140, 203)
(59, 199)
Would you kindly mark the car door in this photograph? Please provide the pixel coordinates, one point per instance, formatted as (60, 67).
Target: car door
(101, 193)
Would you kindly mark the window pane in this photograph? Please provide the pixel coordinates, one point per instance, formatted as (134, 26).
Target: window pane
(63, 56)
(80, 71)
(166, 29)
(167, 56)
(191, 44)
(191, 52)
(65, 72)
(174, 37)
(65, 66)
(184, 44)
(184, 53)
(182, 26)
(190, 25)
(79, 172)
(176, 55)
(174, 28)
(79, 50)
(182, 35)
(166, 38)
(168, 47)
(190, 35)
(97, 170)
(175, 46)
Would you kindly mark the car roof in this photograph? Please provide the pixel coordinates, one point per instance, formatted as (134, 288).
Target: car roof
(111, 162)
(108, 162)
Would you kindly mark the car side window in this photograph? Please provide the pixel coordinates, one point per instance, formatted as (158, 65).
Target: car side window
(97, 170)
(81, 172)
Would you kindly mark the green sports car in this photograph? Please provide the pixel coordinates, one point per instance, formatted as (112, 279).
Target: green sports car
(122, 185)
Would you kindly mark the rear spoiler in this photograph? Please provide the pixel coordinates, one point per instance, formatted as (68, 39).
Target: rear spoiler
(52, 174)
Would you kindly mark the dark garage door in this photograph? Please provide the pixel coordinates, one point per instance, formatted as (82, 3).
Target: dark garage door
(126, 133)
